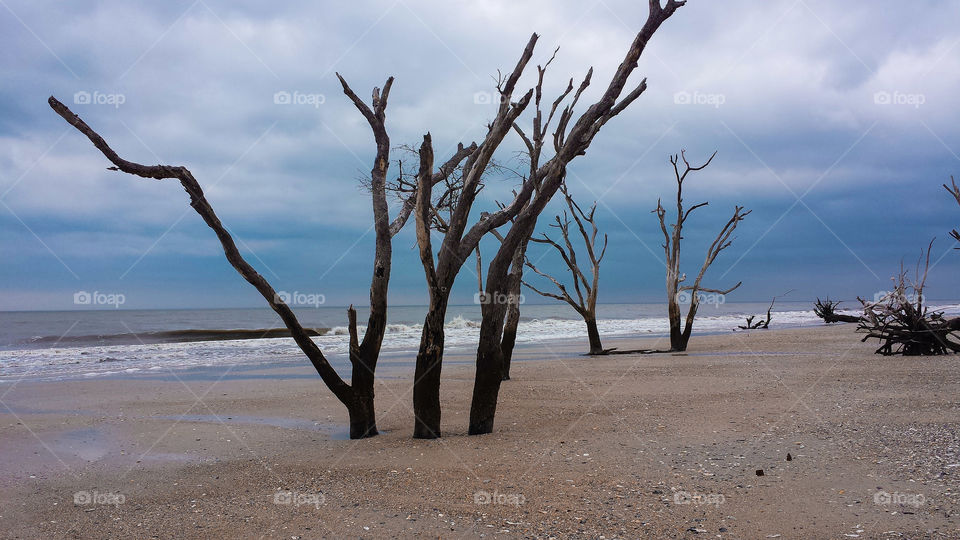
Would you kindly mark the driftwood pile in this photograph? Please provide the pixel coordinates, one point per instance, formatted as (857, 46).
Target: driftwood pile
(904, 325)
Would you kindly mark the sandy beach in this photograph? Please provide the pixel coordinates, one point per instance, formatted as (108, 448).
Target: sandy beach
(850, 445)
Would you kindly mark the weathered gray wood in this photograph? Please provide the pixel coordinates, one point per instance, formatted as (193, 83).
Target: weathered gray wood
(680, 337)
(586, 289)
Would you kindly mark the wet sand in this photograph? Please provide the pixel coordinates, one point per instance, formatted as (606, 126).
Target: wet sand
(625, 446)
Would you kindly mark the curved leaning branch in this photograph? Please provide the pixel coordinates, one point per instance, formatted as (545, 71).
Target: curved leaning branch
(199, 203)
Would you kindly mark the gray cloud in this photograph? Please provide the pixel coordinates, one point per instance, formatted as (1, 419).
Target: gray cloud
(853, 102)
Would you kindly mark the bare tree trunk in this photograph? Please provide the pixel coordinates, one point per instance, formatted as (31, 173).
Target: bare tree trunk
(677, 343)
(586, 288)
(593, 334)
(489, 374)
(688, 326)
(509, 339)
(486, 385)
(364, 356)
(426, 387)
(363, 415)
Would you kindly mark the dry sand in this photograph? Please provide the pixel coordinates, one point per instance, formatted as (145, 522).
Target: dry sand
(632, 446)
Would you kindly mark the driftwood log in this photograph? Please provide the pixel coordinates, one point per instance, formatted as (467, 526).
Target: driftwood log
(827, 310)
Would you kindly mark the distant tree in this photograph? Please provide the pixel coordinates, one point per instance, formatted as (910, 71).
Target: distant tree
(671, 247)
(586, 289)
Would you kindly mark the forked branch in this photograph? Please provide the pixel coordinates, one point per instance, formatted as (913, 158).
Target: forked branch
(672, 237)
(586, 288)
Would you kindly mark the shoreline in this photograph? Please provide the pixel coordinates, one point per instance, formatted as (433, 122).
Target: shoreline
(582, 447)
(113, 365)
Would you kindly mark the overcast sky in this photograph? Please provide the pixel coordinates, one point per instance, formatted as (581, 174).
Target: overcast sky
(836, 123)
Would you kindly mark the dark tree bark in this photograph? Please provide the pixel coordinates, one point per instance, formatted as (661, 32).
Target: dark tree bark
(568, 144)
(593, 334)
(426, 391)
(586, 289)
(680, 336)
(512, 322)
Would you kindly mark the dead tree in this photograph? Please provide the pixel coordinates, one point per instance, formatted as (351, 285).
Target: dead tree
(585, 288)
(458, 242)
(671, 247)
(571, 138)
(828, 311)
(762, 324)
(358, 395)
(903, 324)
(954, 190)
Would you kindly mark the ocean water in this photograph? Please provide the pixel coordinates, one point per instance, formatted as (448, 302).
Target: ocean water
(81, 344)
